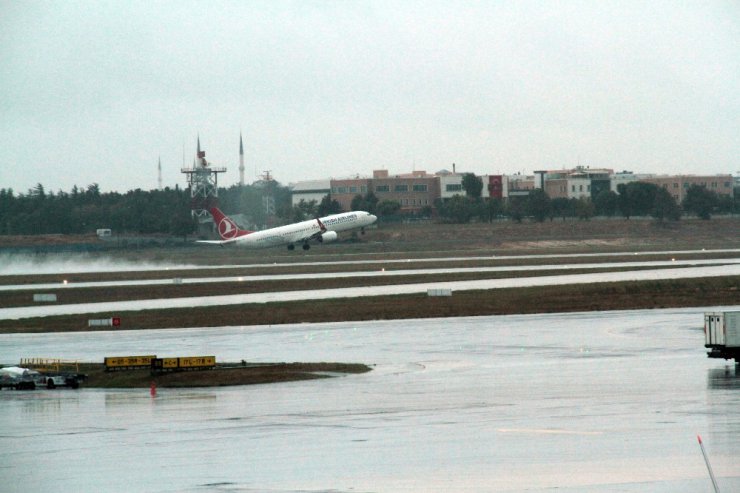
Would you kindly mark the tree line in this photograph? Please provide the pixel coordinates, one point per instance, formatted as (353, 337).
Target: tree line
(83, 210)
(167, 211)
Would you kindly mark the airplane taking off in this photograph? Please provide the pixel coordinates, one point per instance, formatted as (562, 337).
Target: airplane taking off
(322, 229)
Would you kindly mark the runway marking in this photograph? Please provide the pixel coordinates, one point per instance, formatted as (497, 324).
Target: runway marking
(547, 431)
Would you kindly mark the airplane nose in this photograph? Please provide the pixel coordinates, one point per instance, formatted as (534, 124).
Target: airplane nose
(373, 218)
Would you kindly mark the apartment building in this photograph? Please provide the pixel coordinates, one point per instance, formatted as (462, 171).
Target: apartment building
(413, 191)
(679, 184)
(418, 189)
(576, 183)
(344, 190)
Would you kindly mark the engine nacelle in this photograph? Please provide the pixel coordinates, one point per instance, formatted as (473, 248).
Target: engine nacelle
(328, 236)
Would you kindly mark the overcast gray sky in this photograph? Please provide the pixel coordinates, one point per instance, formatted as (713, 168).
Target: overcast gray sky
(97, 91)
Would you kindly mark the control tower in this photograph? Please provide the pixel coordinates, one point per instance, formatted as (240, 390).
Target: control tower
(203, 183)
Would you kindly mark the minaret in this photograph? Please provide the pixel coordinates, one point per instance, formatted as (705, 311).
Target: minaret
(241, 160)
(159, 173)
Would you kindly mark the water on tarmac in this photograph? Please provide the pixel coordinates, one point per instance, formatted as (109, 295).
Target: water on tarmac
(568, 402)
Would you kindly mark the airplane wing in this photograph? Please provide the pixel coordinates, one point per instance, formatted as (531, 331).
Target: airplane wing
(317, 235)
(322, 235)
(219, 242)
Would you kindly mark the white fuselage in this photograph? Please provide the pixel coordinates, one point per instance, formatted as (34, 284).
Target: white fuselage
(305, 230)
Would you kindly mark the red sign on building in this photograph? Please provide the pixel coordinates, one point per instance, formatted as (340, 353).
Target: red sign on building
(496, 186)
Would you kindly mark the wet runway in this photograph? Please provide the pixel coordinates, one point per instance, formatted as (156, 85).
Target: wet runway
(18, 264)
(604, 402)
(352, 292)
(376, 273)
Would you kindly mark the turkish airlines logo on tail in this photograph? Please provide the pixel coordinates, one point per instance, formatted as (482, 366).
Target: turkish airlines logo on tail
(227, 228)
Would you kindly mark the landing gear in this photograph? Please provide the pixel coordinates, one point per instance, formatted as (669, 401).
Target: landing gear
(306, 246)
(362, 231)
(291, 247)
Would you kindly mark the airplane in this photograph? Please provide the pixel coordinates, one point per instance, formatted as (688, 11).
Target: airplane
(322, 230)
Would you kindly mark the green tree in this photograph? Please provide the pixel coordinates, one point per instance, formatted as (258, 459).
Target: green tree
(700, 201)
(725, 204)
(473, 185)
(183, 223)
(456, 209)
(563, 207)
(606, 203)
(367, 203)
(490, 209)
(636, 198)
(329, 206)
(538, 205)
(38, 192)
(425, 212)
(516, 208)
(304, 210)
(665, 206)
(388, 208)
(584, 208)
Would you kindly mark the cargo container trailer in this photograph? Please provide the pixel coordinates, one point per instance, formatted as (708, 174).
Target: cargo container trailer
(722, 335)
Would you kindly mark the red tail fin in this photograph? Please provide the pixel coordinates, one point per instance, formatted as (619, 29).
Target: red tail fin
(227, 228)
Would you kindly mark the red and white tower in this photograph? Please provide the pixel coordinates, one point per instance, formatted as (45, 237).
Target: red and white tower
(203, 183)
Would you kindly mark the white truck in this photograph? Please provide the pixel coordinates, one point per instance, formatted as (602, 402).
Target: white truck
(722, 335)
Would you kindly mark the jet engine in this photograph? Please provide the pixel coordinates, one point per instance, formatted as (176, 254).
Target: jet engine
(328, 236)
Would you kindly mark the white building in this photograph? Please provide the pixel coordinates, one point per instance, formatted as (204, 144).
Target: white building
(625, 177)
(310, 190)
(450, 184)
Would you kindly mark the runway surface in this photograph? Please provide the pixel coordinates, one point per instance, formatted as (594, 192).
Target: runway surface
(581, 402)
(18, 264)
(355, 292)
(381, 272)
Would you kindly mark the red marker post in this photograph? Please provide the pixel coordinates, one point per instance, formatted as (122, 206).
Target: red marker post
(153, 389)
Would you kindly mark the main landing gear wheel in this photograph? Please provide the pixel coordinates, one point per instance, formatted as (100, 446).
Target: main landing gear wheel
(291, 247)
(306, 246)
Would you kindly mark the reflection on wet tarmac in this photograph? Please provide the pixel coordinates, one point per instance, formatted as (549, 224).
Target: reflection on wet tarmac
(585, 402)
(724, 378)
